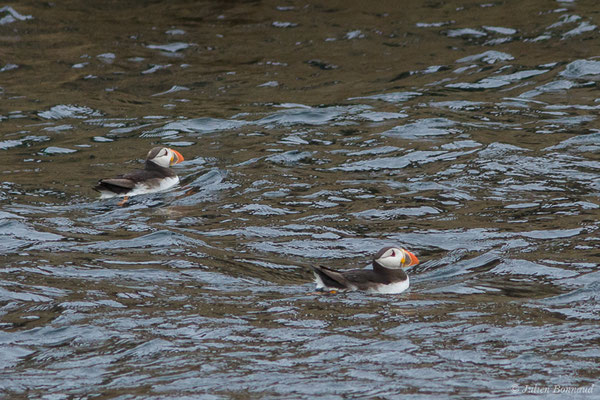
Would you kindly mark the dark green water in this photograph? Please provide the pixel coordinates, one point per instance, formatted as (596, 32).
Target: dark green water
(466, 132)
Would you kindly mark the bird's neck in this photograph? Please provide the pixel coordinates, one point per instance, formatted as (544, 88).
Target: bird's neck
(390, 274)
(152, 166)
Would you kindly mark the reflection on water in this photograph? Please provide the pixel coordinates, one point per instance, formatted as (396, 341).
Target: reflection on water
(312, 134)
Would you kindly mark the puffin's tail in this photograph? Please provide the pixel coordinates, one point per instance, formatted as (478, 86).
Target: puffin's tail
(327, 278)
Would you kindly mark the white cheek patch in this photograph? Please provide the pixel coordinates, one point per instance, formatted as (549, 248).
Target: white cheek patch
(163, 161)
(391, 262)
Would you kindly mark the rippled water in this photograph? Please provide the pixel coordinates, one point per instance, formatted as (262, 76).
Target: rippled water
(466, 132)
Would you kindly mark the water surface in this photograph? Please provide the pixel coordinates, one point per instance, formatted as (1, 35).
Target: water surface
(313, 133)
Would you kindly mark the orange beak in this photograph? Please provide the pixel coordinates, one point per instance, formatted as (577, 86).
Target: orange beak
(413, 259)
(178, 155)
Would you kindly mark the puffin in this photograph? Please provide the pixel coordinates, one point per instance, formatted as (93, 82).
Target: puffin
(386, 277)
(156, 176)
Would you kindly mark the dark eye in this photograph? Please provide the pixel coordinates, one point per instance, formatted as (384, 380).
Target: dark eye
(393, 253)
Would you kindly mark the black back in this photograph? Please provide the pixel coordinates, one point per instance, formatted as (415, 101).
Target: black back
(124, 183)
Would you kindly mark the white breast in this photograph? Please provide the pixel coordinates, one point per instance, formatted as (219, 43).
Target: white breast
(392, 288)
(165, 184)
(141, 188)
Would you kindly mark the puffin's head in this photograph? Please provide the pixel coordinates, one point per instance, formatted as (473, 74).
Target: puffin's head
(164, 156)
(395, 258)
